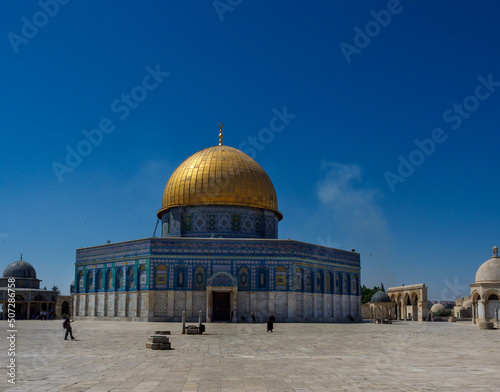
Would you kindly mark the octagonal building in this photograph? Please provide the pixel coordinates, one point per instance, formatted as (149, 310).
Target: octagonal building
(218, 253)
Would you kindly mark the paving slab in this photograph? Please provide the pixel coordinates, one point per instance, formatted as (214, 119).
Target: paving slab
(111, 356)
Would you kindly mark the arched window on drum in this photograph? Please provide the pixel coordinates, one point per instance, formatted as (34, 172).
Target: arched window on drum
(99, 280)
(199, 283)
(338, 283)
(109, 280)
(119, 279)
(161, 273)
(130, 278)
(81, 286)
(243, 278)
(262, 278)
(180, 277)
(329, 283)
(142, 278)
(346, 282)
(90, 282)
(299, 284)
(280, 278)
(355, 285)
(318, 281)
(308, 281)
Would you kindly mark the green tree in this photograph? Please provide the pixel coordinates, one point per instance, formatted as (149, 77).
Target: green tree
(443, 313)
(56, 289)
(367, 294)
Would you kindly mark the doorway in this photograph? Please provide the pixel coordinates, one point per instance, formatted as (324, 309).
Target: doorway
(221, 306)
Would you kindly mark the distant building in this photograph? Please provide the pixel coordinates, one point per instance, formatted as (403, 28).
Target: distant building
(463, 308)
(30, 299)
(485, 292)
(410, 302)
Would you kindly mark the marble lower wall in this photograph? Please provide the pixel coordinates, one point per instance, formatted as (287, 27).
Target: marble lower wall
(168, 306)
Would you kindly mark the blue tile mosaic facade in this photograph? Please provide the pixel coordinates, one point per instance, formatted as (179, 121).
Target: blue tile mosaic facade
(186, 264)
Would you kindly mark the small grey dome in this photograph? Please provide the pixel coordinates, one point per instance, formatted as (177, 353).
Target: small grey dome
(380, 296)
(19, 269)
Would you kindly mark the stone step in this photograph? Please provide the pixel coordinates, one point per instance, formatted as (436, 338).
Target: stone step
(162, 332)
(158, 339)
(159, 346)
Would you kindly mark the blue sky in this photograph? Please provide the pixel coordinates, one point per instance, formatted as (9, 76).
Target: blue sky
(354, 84)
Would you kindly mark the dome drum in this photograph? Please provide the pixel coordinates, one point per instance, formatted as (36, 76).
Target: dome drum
(214, 221)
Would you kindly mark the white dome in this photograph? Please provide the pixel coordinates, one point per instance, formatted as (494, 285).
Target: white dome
(489, 272)
(467, 304)
(436, 308)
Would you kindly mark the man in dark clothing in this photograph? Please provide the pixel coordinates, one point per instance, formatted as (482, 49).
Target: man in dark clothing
(67, 326)
(270, 323)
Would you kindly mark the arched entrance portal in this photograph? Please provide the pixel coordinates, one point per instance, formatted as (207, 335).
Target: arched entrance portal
(65, 307)
(222, 289)
(221, 305)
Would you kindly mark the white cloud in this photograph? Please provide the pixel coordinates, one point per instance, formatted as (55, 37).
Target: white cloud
(350, 212)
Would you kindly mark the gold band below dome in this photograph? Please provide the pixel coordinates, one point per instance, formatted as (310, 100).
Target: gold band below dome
(220, 175)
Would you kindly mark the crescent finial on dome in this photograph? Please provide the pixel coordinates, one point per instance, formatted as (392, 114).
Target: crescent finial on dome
(221, 125)
(495, 251)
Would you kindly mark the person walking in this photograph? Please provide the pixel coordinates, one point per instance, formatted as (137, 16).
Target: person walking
(270, 323)
(67, 327)
(253, 317)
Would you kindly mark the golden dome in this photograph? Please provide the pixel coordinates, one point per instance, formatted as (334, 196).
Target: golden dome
(220, 175)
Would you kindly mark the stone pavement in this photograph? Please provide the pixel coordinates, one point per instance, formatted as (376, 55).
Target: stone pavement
(111, 356)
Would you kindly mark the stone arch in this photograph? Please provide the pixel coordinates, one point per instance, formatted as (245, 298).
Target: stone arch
(20, 297)
(39, 298)
(414, 305)
(492, 298)
(490, 292)
(222, 279)
(413, 297)
(65, 308)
